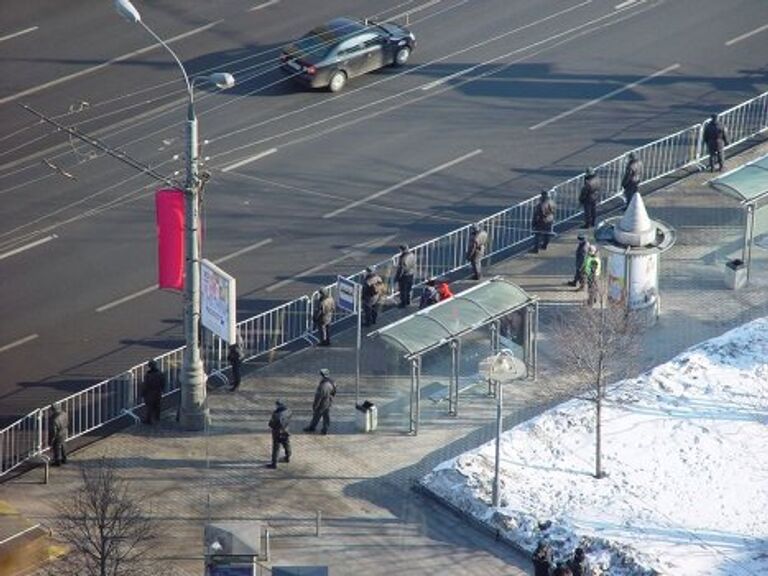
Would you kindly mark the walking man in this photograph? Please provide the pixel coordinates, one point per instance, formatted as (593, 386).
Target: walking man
(592, 265)
(406, 270)
(543, 221)
(57, 434)
(581, 255)
(152, 392)
(280, 423)
(321, 407)
(323, 316)
(716, 139)
(235, 360)
(590, 194)
(630, 181)
(478, 242)
(372, 293)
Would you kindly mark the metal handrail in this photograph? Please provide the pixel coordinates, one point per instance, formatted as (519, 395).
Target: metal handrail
(508, 229)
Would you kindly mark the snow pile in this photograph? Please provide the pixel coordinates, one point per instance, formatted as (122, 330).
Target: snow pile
(685, 448)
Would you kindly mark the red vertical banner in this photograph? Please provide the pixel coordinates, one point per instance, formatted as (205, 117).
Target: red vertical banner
(169, 205)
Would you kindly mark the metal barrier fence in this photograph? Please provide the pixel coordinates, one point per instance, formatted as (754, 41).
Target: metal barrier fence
(508, 230)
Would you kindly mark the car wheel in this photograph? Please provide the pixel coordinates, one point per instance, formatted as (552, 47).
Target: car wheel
(337, 81)
(402, 55)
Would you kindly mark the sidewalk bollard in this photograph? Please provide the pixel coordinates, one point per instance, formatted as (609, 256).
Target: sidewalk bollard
(266, 546)
(47, 471)
(318, 517)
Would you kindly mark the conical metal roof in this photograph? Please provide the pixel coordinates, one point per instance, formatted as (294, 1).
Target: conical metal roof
(635, 228)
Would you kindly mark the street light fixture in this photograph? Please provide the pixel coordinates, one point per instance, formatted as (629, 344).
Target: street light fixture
(193, 414)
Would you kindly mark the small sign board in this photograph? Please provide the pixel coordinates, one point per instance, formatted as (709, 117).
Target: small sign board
(345, 290)
(218, 309)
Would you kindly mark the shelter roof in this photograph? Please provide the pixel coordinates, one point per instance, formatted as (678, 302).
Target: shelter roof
(436, 325)
(748, 183)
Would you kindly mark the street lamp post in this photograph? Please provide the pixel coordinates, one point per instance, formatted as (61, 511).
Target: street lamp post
(193, 414)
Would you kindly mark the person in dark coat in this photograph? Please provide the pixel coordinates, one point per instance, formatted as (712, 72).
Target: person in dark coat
(58, 429)
(630, 181)
(373, 292)
(429, 295)
(542, 560)
(323, 315)
(478, 242)
(578, 564)
(321, 407)
(235, 360)
(562, 570)
(589, 196)
(152, 392)
(404, 274)
(716, 139)
(579, 278)
(543, 221)
(280, 423)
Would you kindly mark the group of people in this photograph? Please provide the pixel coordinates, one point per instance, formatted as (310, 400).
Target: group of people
(543, 564)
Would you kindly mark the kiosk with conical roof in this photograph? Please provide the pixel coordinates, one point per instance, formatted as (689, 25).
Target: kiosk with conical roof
(633, 243)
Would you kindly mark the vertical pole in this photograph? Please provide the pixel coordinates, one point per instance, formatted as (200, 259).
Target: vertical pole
(193, 408)
(747, 250)
(411, 425)
(358, 345)
(496, 464)
(318, 518)
(456, 382)
(451, 407)
(418, 395)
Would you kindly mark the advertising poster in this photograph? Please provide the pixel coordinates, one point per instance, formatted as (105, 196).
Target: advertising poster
(218, 301)
(617, 277)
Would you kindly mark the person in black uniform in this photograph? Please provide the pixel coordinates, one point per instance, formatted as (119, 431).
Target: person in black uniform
(280, 423)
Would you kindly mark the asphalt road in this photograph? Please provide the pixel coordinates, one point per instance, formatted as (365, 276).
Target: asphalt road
(500, 98)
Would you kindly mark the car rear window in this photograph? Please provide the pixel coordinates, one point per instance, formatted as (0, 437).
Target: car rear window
(317, 42)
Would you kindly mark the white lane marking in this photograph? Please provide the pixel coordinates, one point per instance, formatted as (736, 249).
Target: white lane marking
(624, 4)
(92, 69)
(19, 342)
(351, 254)
(249, 160)
(19, 33)
(243, 251)
(128, 298)
(746, 35)
(5, 255)
(264, 5)
(150, 289)
(406, 182)
(604, 97)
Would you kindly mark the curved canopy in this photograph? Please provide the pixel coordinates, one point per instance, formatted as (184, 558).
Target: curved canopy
(749, 183)
(432, 327)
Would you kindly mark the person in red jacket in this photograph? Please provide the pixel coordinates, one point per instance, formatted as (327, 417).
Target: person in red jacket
(444, 290)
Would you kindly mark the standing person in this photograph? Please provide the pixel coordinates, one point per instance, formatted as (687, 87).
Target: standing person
(592, 266)
(235, 360)
(406, 270)
(543, 221)
(321, 407)
(478, 242)
(372, 293)
(429, 295)
(58, 429)
(323, 315)
(562, 570)
(578, 564)
(588, 197)
(152, 392)
(630, 181)
(542, 559)
(581, 255)
(716, 139)
(280, 423)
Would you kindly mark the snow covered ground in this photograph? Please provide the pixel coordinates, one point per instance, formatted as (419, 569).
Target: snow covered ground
(686, 453)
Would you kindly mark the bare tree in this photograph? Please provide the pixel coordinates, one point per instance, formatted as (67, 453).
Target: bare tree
(105, 529)
(600, 344)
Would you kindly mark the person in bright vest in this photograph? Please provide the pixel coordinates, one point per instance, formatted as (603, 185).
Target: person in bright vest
(592, 265)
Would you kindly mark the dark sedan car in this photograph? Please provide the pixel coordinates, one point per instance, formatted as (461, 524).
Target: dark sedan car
(344, 48)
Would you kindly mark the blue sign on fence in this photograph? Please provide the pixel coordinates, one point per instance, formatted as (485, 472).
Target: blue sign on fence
(345, 289)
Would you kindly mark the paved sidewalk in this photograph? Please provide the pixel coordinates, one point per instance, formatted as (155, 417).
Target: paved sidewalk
(373, 523)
